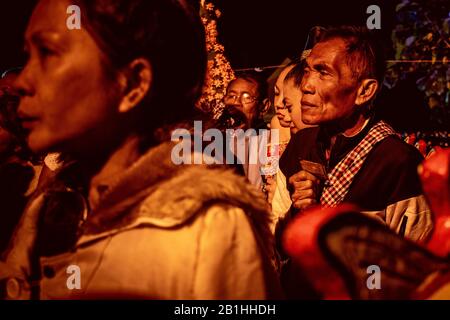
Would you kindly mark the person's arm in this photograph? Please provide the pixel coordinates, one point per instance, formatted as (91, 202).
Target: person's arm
(397, 183)
(278, 197)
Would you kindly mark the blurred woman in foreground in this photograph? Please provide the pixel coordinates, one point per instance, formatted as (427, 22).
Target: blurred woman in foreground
(120, 212)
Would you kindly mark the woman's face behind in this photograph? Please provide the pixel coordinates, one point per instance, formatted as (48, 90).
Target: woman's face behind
(67, 102)
(281, 111)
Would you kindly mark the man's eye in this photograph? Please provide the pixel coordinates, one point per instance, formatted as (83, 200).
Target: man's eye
(323, 71)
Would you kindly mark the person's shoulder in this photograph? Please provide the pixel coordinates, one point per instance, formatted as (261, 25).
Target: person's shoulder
(306, 133)
(306, 138)
(301, 142)
(194, 189)
(396, 162)
(395, 151)
(226, 217)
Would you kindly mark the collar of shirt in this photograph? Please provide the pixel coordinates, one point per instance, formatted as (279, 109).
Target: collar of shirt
(342, 146)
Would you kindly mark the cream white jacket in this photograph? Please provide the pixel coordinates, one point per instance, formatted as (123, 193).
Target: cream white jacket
(161, 232)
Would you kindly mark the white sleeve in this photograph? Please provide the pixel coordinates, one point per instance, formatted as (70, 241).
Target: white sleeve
(281, 202)
(411, 218)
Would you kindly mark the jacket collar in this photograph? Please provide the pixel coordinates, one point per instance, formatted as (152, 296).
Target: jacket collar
(154, 191)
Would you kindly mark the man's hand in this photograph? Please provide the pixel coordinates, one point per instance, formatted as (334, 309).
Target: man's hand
(306, 189)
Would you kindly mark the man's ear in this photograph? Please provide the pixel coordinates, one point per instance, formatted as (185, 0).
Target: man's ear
(366, 91)
(135, 81)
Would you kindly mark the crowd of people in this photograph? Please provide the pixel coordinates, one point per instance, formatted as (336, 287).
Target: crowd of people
(87, 176)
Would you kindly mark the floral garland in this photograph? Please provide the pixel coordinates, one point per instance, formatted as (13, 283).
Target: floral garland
(219, 72)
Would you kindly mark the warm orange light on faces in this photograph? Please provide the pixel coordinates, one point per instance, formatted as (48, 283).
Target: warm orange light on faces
(281, 111)
(292, 102)
(328, 87)
(67, 101)
(238, 88)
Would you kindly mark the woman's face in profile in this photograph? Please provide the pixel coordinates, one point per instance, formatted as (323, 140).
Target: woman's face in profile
(67, 102)
(292, 99)
(280, 109)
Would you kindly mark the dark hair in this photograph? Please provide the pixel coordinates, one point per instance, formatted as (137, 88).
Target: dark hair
(365, 55)
(169, 34)
(296, 73)
(9, 121)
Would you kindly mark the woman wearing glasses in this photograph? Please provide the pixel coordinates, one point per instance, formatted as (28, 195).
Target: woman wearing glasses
(146, 228)
(245, 95)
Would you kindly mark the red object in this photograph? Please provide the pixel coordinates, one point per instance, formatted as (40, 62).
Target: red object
(422, 146)
(411, 139)
(435, 177)
(333, 246)
(300, 240)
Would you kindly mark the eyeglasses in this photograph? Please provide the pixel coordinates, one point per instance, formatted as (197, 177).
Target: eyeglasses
(244, 97)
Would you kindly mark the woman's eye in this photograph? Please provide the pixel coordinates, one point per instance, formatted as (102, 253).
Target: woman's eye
(323, 72)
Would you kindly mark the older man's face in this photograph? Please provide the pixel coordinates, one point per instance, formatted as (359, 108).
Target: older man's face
(328, 86)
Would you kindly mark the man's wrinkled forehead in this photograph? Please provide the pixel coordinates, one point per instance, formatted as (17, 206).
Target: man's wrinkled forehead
(330, 54)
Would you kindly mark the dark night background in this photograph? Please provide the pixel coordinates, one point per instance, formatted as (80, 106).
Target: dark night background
(263, 33)
(260, 33)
